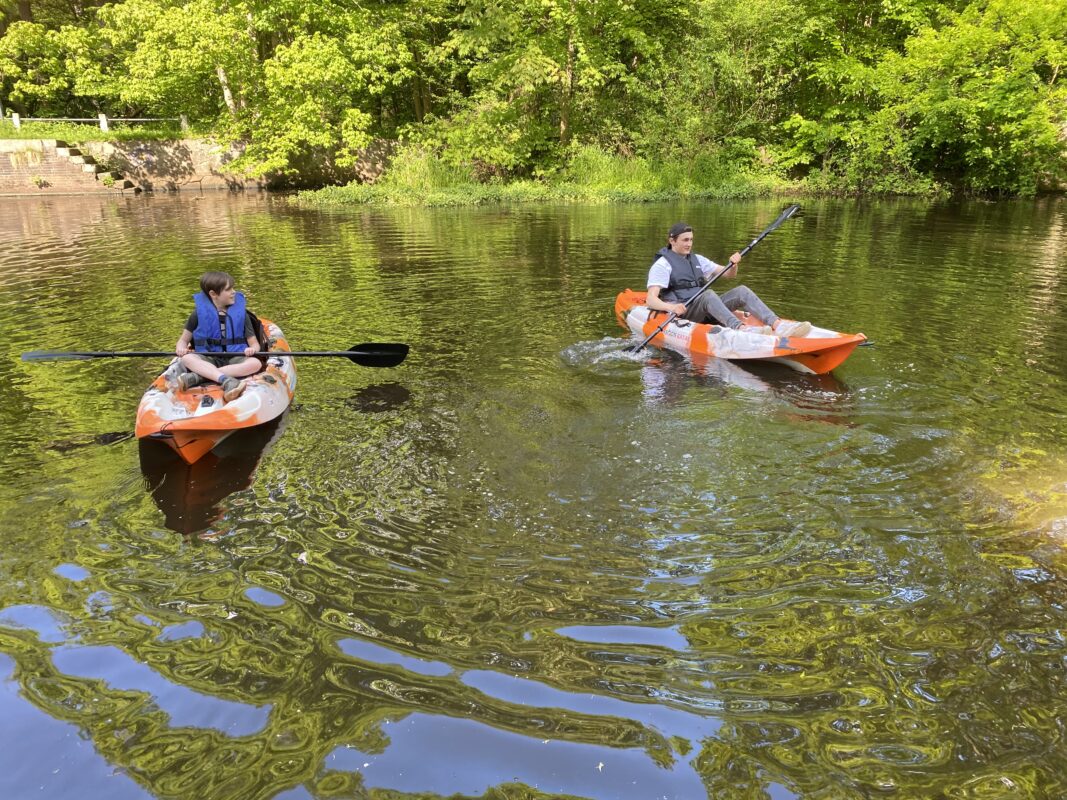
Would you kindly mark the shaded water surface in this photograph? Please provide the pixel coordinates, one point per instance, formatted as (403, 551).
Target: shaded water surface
(521, 565)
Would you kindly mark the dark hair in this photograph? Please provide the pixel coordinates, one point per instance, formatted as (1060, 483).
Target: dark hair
(677, 229)
(215, 282)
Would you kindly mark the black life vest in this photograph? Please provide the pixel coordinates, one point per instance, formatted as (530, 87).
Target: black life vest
(686, 276)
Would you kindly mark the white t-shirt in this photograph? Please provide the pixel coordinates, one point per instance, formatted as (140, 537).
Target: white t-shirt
(660, 272)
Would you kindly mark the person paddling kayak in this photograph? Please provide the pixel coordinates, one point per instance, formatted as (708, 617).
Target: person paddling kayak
(219, 324)
(678, 274)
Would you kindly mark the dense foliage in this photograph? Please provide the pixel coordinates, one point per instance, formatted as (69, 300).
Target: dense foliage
(867, 96)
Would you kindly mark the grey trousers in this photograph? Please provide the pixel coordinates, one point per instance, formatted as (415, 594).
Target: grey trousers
(709, 307)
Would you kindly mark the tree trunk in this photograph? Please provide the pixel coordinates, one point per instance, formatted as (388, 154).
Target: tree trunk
(25, 11)
(568, 79)
(568, 90)
(420, 90)
(416, 98)
(227, 95)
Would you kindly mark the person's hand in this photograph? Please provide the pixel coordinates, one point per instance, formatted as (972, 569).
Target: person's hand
(181, 349)
(678, 309)
(251, 351)
(735, 258)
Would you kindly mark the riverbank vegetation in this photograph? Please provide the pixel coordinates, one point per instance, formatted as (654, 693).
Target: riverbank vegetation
(75, 131)
(418, 176)
(567, 99)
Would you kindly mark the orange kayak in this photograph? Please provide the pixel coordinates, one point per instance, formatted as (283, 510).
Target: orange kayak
(193, 422)
(817, 353)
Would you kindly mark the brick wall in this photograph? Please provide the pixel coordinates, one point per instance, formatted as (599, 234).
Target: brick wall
(32, 166)
(43, 166)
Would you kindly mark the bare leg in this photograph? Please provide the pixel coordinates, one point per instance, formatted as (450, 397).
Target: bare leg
(205, 369)
(202, 367)
(250, 366)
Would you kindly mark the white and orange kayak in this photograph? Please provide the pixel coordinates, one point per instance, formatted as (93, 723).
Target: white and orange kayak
(817, 353)
(193, 422)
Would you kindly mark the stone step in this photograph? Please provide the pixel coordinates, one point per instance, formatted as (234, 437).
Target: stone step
(119, 181)
(68, 152)
(93, 168)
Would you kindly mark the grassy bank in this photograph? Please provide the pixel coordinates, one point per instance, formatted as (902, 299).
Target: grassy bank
(90, 132)
(417, 178)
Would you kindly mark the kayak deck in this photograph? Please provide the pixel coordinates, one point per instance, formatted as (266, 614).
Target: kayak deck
(819, 352)
(193, 422)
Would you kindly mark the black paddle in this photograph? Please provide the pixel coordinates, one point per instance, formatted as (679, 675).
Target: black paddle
(788, 212)
(366, 355)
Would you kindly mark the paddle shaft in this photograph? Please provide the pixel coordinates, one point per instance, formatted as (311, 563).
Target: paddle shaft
(368, 354)
(44, 355)
(786, 214)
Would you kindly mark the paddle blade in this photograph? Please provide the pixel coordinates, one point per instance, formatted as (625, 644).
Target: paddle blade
(53, 355)
(378, 354)
(787, 213)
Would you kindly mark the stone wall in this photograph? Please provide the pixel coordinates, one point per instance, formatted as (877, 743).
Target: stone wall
(172, 165)
(317, 169)
(201, 164)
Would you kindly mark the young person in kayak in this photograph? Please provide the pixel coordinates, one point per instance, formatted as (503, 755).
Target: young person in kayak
(218, 324)
(678, 274)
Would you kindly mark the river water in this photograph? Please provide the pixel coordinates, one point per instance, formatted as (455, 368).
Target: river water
(522, 565)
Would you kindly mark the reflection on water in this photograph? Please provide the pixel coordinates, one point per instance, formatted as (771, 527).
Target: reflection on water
(183, 708)
(379, 397)
(524, 564)
(101, 438)
(668, 378)
(190, 495)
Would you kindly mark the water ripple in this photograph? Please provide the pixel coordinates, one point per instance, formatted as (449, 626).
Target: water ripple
(527, 558)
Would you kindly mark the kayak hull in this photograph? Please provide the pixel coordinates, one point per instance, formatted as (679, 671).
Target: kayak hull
(821, 351)
(194, 422)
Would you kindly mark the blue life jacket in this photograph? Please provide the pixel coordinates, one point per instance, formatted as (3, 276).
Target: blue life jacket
(686, 276)
(209, 337)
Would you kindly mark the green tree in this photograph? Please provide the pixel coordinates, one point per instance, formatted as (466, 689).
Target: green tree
(196, 57)
(729, 83)
(982, 100)
(319, 92)
(838, 47)
(873, 95)
(32, 69)
(545, 73)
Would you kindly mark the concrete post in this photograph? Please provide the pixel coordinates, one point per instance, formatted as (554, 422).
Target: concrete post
(184, 120)
(15, 120)
(103, 121)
